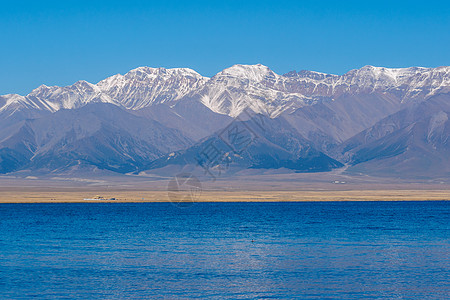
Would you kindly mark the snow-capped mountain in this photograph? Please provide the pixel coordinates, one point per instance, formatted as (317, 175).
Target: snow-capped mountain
(259, 88)
(70, 97)
(139, 88)
(405, 83)
(129, 122)
(236, 88)
(256, 87)
(143, 87)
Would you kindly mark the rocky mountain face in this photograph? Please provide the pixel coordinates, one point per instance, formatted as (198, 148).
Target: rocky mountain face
(156, 117)
(415, 138)
(256, 142)
(98, 135)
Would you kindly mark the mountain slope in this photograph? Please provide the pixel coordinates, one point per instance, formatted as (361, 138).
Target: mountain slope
(189, 116)
(414, 142)
(100, 135)
(328, 124)
(258, 143)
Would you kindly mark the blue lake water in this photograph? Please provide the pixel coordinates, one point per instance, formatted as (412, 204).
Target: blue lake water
(327, 250)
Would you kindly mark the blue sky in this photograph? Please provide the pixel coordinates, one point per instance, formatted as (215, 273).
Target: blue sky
(60, 42)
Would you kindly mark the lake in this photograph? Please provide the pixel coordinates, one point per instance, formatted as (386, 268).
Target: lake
(321, 250)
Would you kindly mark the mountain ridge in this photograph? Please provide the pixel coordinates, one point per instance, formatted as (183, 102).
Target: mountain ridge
(267, 92)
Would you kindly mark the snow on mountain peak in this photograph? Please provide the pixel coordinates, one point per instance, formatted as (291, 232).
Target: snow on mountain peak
(309, 74)
(236, 88)
(406, 83)
(251, 72)
(144, 72)
(249, 86)
(145, 86)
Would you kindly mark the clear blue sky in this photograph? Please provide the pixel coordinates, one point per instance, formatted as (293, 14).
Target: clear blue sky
(60, 42)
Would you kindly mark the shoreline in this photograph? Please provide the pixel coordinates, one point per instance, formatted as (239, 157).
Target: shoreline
(127, 196)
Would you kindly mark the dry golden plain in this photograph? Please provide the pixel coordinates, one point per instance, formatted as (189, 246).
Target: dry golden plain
(14, 196)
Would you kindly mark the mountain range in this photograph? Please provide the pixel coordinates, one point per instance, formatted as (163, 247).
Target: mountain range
(370, 121)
